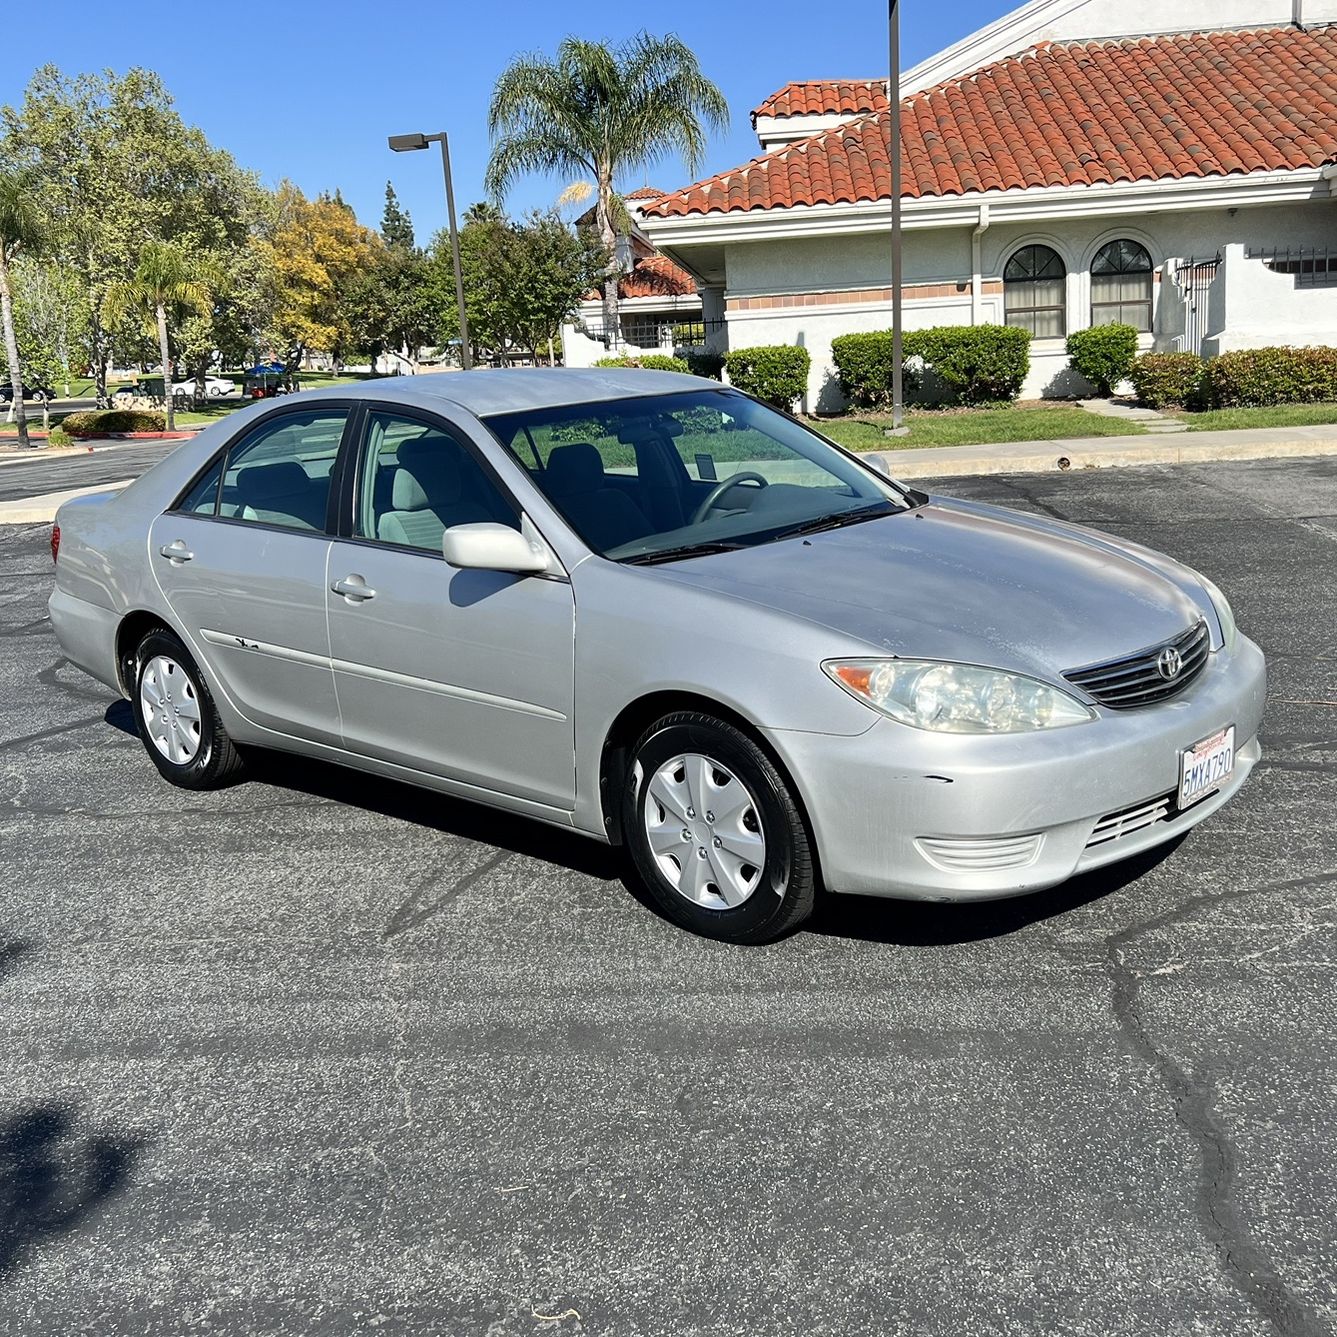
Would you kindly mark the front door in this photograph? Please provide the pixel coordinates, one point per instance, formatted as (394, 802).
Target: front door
(241, 560)
(464, 674)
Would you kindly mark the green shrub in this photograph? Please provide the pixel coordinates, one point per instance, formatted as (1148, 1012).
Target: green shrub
(691, 333)
(1258, 377)
(102, 422)
(703, 362)
(979, 364)
(1104, 355)
(776, 374)
(1167, 378)
(863, 363)
(647, 362)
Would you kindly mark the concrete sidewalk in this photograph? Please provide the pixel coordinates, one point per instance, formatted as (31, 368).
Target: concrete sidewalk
(1105, 452)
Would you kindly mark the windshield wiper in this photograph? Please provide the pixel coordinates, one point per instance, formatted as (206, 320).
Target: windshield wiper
(684, 550)
(838, 521)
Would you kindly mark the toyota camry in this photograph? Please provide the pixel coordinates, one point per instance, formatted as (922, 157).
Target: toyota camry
(651, 609)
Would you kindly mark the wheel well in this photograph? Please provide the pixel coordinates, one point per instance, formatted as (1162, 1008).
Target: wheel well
(134, 627)
(633, 721)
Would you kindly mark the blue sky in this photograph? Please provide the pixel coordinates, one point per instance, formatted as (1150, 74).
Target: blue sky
(310, 92)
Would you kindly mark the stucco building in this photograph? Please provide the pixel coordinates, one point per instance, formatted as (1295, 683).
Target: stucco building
(1079, 161)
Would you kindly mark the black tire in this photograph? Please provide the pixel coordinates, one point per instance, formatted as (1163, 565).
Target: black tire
(786, 885)
(216, 763)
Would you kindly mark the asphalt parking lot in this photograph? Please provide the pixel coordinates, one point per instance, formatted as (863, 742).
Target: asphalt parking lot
(322, 1054)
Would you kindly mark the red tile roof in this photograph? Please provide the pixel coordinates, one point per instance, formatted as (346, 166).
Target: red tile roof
(644, 193)
(1064, 115)
(656, 276)
(825, 97)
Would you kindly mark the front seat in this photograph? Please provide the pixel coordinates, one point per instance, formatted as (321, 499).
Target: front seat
(428, 495)
(605, 517)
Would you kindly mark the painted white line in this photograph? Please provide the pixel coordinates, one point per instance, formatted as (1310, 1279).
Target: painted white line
(42, 509)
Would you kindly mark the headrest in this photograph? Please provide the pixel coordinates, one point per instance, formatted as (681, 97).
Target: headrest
(259, 483)
(574, 468)
(428, 474)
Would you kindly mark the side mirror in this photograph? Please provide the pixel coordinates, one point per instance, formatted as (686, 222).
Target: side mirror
(492, 547)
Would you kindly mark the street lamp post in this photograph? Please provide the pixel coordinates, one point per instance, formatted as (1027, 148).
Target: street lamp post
(406, 144)
(897, 259)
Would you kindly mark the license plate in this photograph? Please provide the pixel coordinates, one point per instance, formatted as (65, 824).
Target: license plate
(1206, 766)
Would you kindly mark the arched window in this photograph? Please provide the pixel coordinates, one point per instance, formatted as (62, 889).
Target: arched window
(1034, 292)
(1121, 285)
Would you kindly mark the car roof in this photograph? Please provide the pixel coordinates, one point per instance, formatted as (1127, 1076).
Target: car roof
(515, 389)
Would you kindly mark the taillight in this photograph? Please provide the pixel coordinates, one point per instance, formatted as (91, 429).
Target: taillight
(55, 542)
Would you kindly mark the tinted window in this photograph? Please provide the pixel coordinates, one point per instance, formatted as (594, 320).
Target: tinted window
(647, 474)
(417, 481)
(202, 499)
(280, 473)
(1034, 287)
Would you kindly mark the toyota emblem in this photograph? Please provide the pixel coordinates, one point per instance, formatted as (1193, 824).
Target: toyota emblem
(1169, 663)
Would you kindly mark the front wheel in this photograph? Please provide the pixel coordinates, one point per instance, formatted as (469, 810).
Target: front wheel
(176, 716)
(716, 833)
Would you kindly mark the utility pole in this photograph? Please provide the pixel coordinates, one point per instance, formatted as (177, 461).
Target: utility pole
(897, 256)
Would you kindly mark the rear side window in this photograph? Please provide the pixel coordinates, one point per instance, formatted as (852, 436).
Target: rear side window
(279, 474)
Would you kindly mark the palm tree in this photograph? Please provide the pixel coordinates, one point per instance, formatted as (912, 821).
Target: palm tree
(21, 229)
(164, 282)
(602, 110)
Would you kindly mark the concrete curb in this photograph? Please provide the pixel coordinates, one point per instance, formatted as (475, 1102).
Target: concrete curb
(1109, 452)
(42, 509)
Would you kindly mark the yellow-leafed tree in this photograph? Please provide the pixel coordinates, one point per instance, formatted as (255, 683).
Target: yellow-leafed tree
(316, 252)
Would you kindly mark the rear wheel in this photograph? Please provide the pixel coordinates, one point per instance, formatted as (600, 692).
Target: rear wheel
(177, 719)
(715, 832)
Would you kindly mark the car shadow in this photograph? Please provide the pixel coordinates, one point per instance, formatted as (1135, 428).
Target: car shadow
(120, 715)
(440, 812)
(940, 923)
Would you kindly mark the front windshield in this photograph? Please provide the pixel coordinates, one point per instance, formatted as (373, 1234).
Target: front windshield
(700, 471)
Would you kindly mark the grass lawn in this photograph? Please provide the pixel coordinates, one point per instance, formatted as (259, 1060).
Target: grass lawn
(971, 427)
(1281, 415)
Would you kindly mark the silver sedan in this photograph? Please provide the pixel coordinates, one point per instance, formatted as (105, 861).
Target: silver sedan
(650, 609)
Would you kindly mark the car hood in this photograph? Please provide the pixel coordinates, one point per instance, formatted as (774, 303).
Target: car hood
(959, 581)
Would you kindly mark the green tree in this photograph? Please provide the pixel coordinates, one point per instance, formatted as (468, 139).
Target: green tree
(165, 285)
(602, 110)
(118, 166)
(21, 230)
(396, 225)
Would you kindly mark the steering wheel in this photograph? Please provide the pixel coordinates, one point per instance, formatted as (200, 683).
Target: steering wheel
(721, 488)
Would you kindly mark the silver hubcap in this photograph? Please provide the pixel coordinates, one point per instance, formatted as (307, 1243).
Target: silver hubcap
(704, 829)
(171, 709)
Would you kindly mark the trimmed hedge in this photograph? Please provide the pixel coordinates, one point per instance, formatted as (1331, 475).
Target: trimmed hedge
(1104, 355)
(647, 362)
(1162, 379)
(100, 422)
(703, 362)
(777, 374)
(1260, 377)
(978, 364)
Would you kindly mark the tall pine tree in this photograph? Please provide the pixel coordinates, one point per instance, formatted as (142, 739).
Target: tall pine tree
(396, 225)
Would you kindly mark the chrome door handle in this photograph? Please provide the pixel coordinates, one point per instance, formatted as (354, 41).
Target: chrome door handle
(354, 589)
(176, 552)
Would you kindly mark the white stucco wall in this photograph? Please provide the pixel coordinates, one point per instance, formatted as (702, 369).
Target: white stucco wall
(1265, 302)
(832, 265)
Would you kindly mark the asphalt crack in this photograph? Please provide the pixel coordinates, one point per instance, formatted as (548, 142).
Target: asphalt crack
(1243, 1260)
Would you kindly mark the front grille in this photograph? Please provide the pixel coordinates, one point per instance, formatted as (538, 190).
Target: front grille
(1127, 820)
(1136, 680)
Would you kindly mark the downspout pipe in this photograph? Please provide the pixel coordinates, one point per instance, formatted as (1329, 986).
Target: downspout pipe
(976, 268)
(1329, 175)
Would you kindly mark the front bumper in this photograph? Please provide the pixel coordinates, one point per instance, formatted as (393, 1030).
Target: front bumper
(890, 808)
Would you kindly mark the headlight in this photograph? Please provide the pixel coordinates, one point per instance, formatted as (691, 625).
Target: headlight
(1224, 614)
(957, 698)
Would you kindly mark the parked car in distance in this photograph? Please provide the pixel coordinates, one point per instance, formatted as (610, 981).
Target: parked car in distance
(39, 394)
(215, 387)
(648, 608)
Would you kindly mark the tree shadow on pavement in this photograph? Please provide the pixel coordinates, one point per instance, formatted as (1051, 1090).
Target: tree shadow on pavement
(939, 924)
(53, 1174)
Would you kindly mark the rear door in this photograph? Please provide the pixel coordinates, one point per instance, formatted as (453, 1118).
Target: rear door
(464, 674)
(242, 560)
